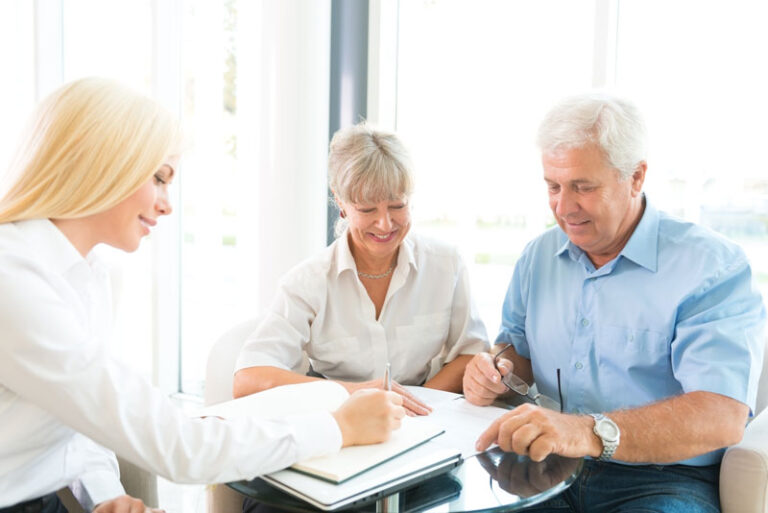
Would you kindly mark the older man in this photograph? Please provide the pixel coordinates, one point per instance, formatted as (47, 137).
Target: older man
(646, 327)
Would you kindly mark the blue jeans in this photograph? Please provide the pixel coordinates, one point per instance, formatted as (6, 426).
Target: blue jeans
(605, 487)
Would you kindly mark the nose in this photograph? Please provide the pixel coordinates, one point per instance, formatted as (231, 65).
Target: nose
(384, 221)
(163, 203)
(565, 204)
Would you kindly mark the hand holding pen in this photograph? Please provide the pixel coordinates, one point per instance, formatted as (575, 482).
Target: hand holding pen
(412, 404)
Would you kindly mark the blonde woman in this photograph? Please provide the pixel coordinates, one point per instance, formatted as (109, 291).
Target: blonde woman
(379, 294)
(95, 168)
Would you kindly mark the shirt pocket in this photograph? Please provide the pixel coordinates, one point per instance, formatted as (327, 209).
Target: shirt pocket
(423, 340)
(635, 350)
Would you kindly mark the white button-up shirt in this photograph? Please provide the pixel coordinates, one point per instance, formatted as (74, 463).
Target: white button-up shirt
(63, 398)
(322, 308)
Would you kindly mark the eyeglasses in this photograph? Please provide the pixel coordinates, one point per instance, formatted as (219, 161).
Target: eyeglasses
(515, 383)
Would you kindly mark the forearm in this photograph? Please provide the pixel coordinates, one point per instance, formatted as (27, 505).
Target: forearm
(679, 428)
(450, 376)
(257, 379)
(671, 430)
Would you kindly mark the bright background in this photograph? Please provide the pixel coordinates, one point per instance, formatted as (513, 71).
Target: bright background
(464, 82)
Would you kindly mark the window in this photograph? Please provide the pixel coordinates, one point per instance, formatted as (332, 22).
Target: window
(17, 96)
(215, 282)
(473, 80)
(705, 103)
(119, 46)
(255, 100)
(466, 87)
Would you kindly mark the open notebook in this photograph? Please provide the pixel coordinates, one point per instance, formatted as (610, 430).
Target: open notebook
(411, 468)
(325, 396)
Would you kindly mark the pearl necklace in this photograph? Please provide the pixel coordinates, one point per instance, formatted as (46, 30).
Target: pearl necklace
(376, 276)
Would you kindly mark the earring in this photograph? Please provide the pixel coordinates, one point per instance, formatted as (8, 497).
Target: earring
(342, 214)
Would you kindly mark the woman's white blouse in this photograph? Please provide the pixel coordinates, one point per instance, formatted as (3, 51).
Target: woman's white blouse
(322, 308)
(63, 398)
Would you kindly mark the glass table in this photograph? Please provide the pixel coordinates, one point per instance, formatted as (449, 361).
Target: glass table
(490, 481)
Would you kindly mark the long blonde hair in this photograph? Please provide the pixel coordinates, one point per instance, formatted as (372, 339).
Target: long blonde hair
(90, 145)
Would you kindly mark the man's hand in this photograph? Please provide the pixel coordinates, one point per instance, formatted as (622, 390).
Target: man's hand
(369, 416)
(412, 404)
(125, 504)
(482, 381)
(538, 432)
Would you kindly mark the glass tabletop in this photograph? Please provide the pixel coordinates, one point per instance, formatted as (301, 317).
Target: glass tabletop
(490, 481)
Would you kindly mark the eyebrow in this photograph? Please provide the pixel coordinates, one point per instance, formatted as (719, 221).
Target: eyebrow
(578, 181)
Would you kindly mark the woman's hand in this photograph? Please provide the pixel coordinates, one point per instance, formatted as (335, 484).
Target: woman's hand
(125, 504)
(369, 417)
(412, 404)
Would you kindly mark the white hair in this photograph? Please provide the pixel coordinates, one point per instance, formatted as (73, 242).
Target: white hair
(611, 123)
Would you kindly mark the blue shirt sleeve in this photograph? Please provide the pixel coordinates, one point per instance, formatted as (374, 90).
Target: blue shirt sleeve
(513, 310)
(719, 336)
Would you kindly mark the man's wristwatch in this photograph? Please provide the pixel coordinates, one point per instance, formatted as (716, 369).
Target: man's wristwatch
(608, 432)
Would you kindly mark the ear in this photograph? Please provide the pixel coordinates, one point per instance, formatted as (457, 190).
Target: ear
(638, 178)
(339, 205)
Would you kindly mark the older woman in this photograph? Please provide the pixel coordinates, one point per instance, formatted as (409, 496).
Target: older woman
(377, 295)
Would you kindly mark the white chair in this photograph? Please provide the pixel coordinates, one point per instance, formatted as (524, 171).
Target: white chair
(744, 471)
(219, 374)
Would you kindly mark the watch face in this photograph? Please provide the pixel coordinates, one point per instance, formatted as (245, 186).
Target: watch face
(608, 430)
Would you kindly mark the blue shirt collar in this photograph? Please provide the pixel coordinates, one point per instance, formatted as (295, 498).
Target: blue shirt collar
(641, 248)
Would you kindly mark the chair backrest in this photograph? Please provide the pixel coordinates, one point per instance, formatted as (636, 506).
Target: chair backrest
(762, 388)
(219, 372)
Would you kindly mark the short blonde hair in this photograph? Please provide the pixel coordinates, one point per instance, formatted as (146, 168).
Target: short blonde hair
(91, 144)
(366, 165)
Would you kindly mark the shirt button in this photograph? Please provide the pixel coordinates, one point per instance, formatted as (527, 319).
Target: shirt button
(579, 365)
(584, 322)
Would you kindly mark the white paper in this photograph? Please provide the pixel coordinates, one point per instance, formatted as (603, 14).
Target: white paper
(463, 422)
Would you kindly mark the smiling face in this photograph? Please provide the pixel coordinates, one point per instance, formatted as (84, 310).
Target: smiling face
(125, 224)
(596, 209)
(376, 230)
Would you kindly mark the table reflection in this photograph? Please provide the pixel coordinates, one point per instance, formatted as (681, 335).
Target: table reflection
(523, 477)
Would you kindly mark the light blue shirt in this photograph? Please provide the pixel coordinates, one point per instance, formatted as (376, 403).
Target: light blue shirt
(674, 312)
